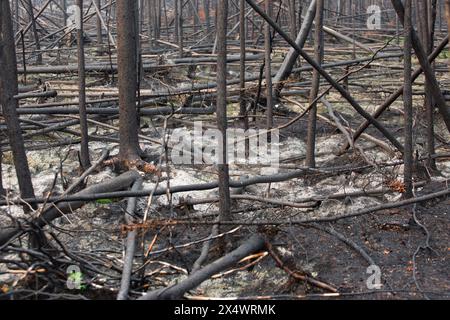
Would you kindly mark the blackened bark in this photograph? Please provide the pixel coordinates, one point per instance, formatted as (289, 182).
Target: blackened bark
(35, 33)
(242, 93)
(292, 56)
(207, 19)
(8, 89)
(268, 66)
(408, 103)
(429, 75)
(2, 190)
(426, 26)
(127, 75)
(84, 150)
(224, 189)
(99, 24)
(312, 117)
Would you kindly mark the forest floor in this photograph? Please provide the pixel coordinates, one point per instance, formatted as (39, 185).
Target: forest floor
(389, 237)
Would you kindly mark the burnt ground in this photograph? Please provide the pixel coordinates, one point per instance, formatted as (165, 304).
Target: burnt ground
(389, 237)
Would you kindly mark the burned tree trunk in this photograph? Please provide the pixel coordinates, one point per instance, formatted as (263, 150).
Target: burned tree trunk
(207, 19)
(312, 119)
(84, 150)
(242, 94)
(292, 56)
(8, 89)
(426, 34)
(127, 74)
(99, 23)
(407, 102)
(35, 33)
(268, 66)
(426, 66)
(224, 189)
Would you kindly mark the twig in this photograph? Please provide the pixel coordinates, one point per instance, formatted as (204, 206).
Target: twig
(297, 275)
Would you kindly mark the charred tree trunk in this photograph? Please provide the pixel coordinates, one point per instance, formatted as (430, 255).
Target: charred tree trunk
(268, 66)
(150, 15)
(2, 190)
(127, 74)
(8, 89)
(177, 21)
(35, 33)
(292, 56)
(99, 23)
(242, 93)
(207, 19)
(180, 27)
(426, 66)
(426, 26)
(17, 16)
(84, 150)
(64, 12)
(407, 102)
(312, 118)
(292, 18)
(447, 11)
(221, 27)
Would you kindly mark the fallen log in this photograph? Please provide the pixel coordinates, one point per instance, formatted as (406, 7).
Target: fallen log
(130, 246)
(119, 183)
(115, 111)
(254, 244)
(44, 94)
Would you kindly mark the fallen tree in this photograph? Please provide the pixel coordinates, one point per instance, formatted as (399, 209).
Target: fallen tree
(56, 211)
(252, 245)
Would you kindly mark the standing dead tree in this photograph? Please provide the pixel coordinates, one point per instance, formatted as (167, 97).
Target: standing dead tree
(127, 74)
(408, 102)
(312, 117)
(426, 66)
(9, 104)
(84, 149)
(328, 78)
(224, 177)
(30, 11)
(268, 66)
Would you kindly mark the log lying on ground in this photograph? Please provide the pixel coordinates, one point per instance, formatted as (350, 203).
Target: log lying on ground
(44, 94)
(106, 67)
(130, 246)
(281, 177)
(28, 88)
(253, 245)
(119, 183)
(114, 111)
